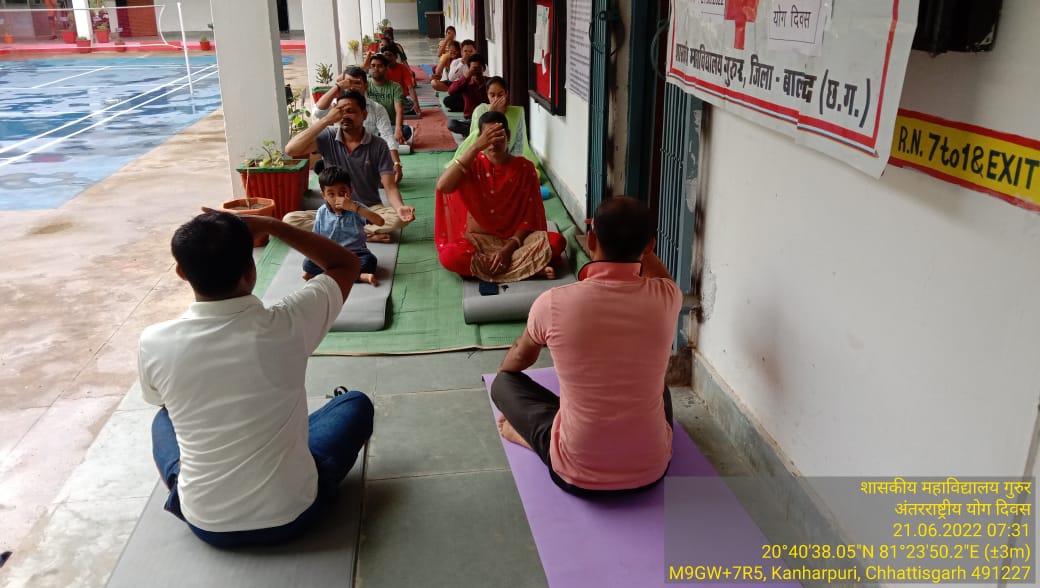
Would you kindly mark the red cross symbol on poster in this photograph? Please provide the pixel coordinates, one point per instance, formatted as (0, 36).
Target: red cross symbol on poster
(741, 12)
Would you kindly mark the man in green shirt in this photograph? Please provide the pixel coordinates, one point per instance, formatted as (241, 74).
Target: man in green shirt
(390, 95)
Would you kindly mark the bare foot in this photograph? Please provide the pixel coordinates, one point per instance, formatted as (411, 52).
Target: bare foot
(509, 433)
(379, 238)
(548, 273)
(369, 279)
(307, 275)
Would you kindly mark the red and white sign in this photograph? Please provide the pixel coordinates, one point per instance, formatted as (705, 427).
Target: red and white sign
(829, 78)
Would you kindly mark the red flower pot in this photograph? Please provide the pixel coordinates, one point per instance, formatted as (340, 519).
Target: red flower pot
(318, 91)
(373, 47)
(68, 36)
(82, 46)
(285, 185)
(205, 45)
(102, 36)
(254, 206)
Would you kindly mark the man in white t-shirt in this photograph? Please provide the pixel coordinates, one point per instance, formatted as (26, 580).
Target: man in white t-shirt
(233, 442)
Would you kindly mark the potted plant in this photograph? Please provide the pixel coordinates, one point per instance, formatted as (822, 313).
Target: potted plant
(68, 32)
(296, 112)
(367, 42)
(381, 27)
(323, 75)
(204, 43)
(101, 33)
(253, 206)
(271, 175)
(8, 37)
(82, 45)
(354, 45)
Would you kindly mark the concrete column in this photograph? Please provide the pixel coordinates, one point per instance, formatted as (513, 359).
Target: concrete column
(82, 17)
(368, 23)
(322, 37)
(252, 88)
(350, 29)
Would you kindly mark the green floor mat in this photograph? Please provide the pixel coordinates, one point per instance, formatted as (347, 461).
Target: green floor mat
(426, 301)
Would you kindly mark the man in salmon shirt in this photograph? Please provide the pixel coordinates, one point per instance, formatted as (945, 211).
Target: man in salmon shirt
(610, 336)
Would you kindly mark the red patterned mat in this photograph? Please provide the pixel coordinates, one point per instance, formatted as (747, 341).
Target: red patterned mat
(431, 132)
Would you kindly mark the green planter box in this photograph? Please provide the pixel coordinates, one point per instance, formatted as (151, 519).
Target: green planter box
(285, 185)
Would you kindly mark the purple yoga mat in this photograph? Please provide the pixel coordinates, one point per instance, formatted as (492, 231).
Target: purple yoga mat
(620, 541)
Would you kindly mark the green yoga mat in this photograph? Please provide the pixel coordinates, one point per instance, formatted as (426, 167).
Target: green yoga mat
(426, 301)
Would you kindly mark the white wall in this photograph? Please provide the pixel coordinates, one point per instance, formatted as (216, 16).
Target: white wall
(404, 16)
(463, 30)
(882, 326)
(197, 15)
(562, 143)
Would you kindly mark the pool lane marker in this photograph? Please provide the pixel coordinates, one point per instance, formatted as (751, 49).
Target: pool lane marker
(45, 84)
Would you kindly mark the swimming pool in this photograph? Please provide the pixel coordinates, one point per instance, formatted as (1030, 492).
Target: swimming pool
(65, 124)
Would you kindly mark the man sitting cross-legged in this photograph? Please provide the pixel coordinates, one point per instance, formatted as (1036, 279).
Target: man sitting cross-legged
(244, 463)
(610, 336)
(341, 139)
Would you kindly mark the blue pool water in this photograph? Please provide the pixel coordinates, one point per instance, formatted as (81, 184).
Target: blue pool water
(66, 124)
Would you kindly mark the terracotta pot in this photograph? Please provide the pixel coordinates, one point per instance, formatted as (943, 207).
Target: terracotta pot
(82, 46)
(257, 206)
(68, 36)
(9, 39)
(285, 185)
(205, 45)
(373, 47)
(102, 36)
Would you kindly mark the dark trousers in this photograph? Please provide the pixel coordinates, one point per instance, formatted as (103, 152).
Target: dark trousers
(531, 409)
(368, 264)
(455, 103)
(459, 125)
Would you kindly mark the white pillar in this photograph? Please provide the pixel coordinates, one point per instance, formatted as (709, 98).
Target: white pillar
(367, 19)
(350, 28)
(82, 16)
(252, 88)
(321, 34)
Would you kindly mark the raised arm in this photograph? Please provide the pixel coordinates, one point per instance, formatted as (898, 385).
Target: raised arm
(367, 214)
(306, 142)
(452, 177)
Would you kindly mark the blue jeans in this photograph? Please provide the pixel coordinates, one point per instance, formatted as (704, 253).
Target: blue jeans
(337, 433)
(368, 264)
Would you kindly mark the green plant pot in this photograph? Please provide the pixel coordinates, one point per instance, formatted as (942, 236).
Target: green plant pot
(285, 185)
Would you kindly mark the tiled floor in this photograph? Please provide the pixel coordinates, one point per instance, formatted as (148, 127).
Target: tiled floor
(441, 507)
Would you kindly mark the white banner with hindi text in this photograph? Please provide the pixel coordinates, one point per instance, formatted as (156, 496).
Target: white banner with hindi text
(830, 78)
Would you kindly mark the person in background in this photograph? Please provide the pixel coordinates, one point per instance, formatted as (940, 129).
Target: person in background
(376, 123)
(455, 71)
(490, 221)
(453, 53)
(449, 37)
(471, 88)
(498, 101)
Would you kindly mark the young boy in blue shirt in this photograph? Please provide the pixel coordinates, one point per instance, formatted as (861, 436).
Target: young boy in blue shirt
(343, 220)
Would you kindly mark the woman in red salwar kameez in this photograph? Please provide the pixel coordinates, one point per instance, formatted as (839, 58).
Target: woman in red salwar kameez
(490, 220)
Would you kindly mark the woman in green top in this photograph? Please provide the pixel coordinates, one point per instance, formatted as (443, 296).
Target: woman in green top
(498, 98)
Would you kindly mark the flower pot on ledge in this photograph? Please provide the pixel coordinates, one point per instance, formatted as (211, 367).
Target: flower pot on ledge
(318, 91)
(285, 185)
(83, 45)
(101, 35)
(68, 36)
(253, 206)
